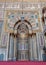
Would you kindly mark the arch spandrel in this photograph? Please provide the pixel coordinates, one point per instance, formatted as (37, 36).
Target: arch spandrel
(15, 20)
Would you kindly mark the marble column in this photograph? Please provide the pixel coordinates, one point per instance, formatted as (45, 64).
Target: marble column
(38, 45)
(7, 46)
(11, 47)
(15, 47)
(30, 47)
(34, 47)
(41, 44)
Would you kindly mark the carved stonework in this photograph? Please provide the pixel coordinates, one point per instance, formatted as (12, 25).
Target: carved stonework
(22, 26)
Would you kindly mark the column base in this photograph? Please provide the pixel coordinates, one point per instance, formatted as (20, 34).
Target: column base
(12, 59)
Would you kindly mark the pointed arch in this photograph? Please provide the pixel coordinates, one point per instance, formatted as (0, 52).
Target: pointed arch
(20, 22)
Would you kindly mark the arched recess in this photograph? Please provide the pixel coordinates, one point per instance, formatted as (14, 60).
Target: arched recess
(22, 42)
(22, 36)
